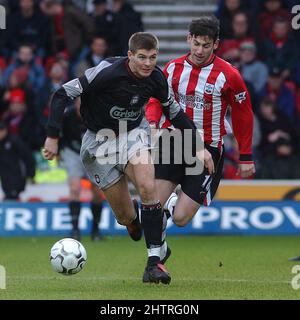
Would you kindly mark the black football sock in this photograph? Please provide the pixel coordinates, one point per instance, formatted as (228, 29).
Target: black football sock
(152, 223)
(75, 207)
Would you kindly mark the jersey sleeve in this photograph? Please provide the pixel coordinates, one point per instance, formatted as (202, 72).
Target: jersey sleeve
(93, 78)
(154, 110)
(242, 114)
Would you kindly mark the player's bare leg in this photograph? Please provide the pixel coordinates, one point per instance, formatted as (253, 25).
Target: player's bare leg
(182, 208)
(165, 188)
(120, 201)
(140, 170)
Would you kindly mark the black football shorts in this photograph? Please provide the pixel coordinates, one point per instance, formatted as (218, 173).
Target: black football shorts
(201, 188)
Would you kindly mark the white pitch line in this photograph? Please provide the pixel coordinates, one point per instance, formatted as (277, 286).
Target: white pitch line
(240, 280)
(62, 276)
(59, 277)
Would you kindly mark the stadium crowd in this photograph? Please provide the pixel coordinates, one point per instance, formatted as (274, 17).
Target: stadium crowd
(47, 42)
(258, 38)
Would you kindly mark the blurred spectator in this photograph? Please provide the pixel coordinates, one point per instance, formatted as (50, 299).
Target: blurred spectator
(253, 6)
(62, 58)
(280, 49)
(230, 48)
(85, 5)
(283, 164)
(273, 10)
(12, 6)
(20, 122)
(97, 53)
(27, 25)
(106, 25)
(273, 125)
(252, 70)
(280, 94)
(73, 28)
(2, 67)
(57, 76)
(54, 11)
(128, 22)
(32, 71)
(228, 8)
(298, 74)
(16, 164)
(231, 160)
(17, 82)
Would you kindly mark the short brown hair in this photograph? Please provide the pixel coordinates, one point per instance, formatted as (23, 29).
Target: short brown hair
(142, 40)
(207, 25)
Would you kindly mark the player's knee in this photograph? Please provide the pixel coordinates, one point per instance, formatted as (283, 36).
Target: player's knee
(147, 191)
(180, 221)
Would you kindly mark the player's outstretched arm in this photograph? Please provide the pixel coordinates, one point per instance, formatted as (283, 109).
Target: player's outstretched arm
(60, 100)
(242, 122)
(69, 91)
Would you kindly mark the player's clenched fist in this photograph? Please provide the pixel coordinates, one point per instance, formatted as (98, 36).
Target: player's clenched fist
(50, 148)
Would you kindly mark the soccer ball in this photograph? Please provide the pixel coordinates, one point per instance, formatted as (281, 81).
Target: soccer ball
(68, 256)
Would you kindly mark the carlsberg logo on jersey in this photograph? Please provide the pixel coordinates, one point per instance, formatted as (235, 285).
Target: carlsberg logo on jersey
(124, 114)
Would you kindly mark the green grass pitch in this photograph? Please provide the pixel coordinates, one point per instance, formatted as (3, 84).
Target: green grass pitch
(202, 267)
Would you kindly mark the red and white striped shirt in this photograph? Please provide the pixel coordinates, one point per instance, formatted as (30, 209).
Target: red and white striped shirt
(204, 93)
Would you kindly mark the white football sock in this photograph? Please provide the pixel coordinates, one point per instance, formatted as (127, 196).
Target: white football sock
(163, 250)
(171, 203)
(154, 251)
